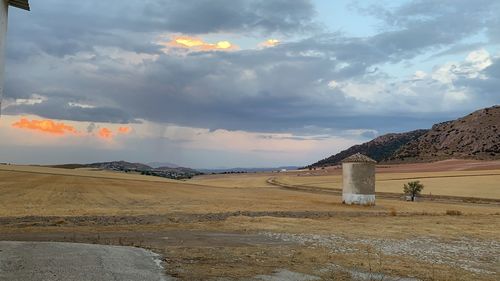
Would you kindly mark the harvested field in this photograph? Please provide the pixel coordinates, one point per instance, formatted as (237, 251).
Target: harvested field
(242, 228)
(480, 183)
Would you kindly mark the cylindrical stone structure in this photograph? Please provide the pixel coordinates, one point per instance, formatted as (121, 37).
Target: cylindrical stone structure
(358, 173)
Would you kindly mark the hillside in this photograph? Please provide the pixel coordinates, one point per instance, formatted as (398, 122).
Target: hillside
(124, 166)
(120, 166)
(379, 148)
(162, 164)
(475, 136)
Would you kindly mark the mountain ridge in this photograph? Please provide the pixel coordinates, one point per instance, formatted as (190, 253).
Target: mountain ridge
(474, 136)
(379, 148)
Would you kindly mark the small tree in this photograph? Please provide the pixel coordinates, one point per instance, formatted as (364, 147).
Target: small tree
(413, 189)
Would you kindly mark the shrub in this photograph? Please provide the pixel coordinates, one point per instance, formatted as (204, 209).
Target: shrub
(453, 212)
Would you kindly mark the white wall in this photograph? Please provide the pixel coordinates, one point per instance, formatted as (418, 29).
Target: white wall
(3, 32)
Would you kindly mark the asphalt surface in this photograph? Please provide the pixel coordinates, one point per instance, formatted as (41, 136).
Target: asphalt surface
(49, 261)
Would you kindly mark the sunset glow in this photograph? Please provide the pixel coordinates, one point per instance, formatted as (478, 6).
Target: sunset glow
(105, 133)
(124, 130)
(199, 44)
(45, 126)
(270, 43)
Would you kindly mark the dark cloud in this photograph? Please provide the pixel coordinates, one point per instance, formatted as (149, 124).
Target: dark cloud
(274, 89)
(56, 108)
(419, 24)
(212, 16)
(65, 27)
(486, 89)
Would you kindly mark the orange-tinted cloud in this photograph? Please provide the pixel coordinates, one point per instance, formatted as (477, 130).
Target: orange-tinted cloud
(124, 130)
(45, 126)
(105, 133)
(270, 43)
(188, 42)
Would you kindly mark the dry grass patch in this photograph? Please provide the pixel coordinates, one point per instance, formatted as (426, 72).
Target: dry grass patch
(453, 213)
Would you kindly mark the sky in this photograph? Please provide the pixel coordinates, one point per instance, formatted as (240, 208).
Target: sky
(238, 83)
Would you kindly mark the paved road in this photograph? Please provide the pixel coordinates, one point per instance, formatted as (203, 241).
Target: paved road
(48, 261)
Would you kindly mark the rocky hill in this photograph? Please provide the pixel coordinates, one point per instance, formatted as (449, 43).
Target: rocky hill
(378, 149)
(475, 136)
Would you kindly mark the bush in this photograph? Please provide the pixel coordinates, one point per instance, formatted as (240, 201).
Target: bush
(453, 212)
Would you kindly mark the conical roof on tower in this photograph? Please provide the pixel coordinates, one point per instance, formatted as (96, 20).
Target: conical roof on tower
(358, 158)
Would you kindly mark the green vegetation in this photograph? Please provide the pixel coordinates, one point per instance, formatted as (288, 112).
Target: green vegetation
(413, 189)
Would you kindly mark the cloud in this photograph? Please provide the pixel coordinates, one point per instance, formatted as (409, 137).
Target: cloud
(111, 69)
(273, 89)
(486, 87)
(45, 126)
(135, 25)
(197, 44)
(105, 133)
(81, 105)
(333, 84)
(472, 67)
(124, 130)
(445, 88)
(60, 106)
(181, 145)
(269, 43)
(34, 99)
(235, 16)
(60, 128)
(413, 24)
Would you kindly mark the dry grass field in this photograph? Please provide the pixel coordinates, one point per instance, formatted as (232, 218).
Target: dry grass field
(482, 184)
(240, 226)
(85, 172)
(234, 180)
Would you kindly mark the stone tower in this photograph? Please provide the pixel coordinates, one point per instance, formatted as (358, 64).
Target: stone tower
(358, 173)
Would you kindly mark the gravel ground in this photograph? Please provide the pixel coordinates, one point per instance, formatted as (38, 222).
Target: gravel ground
(474, 255)
(49, 261)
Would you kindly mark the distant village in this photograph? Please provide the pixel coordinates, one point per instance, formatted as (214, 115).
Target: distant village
(177, 173)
